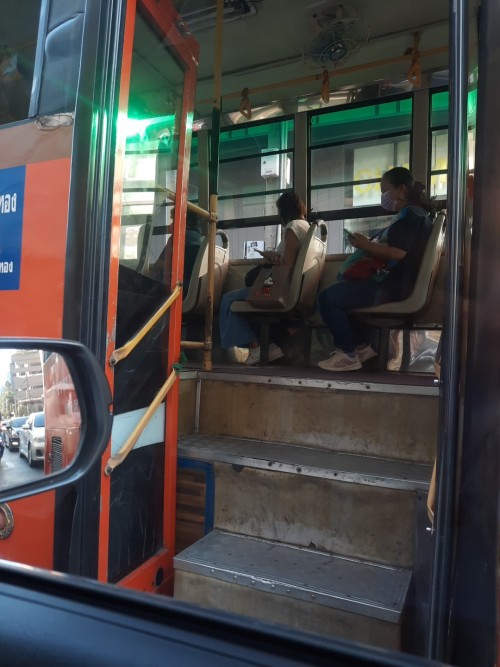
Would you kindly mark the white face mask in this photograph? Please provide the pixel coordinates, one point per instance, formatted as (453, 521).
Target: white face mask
(388, 202)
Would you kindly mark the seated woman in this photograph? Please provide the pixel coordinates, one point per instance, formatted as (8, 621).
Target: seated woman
(400, 246)
(235, 329)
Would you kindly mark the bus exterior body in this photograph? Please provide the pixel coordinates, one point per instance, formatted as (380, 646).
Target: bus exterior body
(62, 415)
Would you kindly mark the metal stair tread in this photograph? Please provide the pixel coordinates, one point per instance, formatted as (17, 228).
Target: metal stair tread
(347, 584)
(338, 466)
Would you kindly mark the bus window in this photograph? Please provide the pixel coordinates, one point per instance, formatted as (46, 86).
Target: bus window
(151, 152)
(350, 150)
(256, 166)
(18, 39)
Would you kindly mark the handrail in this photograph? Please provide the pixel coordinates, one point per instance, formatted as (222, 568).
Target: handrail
(192, 345)
(212, 218)
(190, 206)
(123, 352)
(125, 450)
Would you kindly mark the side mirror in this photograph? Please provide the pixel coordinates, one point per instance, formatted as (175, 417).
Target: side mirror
(72, 403)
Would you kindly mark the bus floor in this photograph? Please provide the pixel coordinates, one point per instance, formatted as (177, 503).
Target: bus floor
(421, 371)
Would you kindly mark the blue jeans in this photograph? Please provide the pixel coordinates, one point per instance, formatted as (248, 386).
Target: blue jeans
(336, 301)
(235, 329)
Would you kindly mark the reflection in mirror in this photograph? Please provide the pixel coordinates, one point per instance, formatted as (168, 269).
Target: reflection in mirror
(40, 421)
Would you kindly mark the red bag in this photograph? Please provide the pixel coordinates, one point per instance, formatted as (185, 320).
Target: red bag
(364, 268)
(271, 288)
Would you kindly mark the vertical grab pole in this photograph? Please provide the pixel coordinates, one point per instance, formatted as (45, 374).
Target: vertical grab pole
(213, 187)
(450, 371)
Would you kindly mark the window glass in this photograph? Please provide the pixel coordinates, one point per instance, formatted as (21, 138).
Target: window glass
(254, 139)
(151, 133)
(256, 166)
(439, 163)
(193, 185)
(439, 109)
(349, 153)
(18, 40)
(366, 121)
(151, 136)
(359, 166)
(237, 210)
(439, 140)
(256, 174)
(39, 420)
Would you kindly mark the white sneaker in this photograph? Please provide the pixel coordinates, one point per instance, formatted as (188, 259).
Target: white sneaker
(365, 352)
(253, 356)
(238, 355)
(340, 361)
(275, 353)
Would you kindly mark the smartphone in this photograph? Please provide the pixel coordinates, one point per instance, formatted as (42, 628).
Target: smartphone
(348, 235)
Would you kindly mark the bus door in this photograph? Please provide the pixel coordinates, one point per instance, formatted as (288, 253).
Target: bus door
(153, 144)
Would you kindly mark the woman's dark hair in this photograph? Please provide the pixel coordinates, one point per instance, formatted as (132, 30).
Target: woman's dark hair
(291, 207)
(415, 190)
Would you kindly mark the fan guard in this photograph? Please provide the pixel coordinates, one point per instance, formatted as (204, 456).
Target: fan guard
(337, 42)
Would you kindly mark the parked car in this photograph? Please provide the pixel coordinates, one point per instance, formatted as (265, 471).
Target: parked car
(14, 432)
(32, 443)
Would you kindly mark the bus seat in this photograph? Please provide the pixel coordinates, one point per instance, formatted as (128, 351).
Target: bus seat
(403, 314)
(195, 298)
(303, 290)
(138, 263)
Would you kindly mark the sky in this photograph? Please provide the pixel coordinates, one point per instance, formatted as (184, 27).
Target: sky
(4, 365)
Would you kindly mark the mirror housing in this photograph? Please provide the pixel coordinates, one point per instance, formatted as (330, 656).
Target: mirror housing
(94, 398)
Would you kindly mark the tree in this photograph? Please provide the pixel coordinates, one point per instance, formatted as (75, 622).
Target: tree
(7, 401)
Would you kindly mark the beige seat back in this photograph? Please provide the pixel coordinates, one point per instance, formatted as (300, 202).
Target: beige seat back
(143, 238)
(421, 295)
(195, 299)
(307, 271)
(305, 277)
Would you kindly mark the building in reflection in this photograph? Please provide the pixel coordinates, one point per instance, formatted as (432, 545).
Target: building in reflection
(27, 381)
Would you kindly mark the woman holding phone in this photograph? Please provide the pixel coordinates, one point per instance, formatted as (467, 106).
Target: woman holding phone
(399, 248)
(235, 329)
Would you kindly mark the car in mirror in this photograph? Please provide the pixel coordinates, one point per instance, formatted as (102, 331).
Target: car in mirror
(58, 398)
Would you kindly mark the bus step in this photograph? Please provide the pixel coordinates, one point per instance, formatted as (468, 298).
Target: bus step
(307, 589)
(365, 421)
(278, 457)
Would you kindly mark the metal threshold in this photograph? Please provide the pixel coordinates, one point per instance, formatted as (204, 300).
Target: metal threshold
(416, 384)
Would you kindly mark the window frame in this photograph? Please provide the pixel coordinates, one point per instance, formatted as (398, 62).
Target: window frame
(355, 212)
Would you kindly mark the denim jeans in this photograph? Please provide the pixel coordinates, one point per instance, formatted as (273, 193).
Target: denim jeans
(235, 329)
(336, 301)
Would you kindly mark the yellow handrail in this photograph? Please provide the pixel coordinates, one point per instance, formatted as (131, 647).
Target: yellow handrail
(192, 345)
(123, 352)
(125, 450)
(171, 195)
(212, 217)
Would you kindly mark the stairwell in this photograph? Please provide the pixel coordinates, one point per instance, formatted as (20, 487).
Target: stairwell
(316, 487)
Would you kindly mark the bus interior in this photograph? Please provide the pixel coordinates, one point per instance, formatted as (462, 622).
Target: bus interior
(285, 466)
(302, 497)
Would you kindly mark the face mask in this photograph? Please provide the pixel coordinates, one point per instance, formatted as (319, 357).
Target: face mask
(387, 202)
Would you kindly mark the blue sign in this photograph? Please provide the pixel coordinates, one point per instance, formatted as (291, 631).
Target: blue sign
(11, 226)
